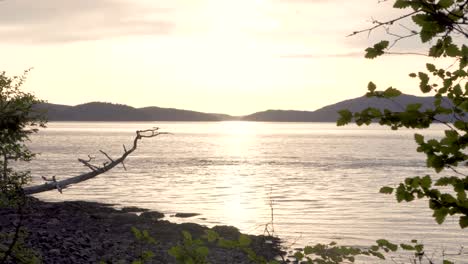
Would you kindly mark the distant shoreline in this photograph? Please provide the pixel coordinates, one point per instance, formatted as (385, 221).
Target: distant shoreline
(109, 112)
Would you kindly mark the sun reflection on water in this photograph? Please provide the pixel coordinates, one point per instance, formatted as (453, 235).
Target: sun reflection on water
(239, 144)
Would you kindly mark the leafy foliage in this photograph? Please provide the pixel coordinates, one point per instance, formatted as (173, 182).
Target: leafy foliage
(19, 252)
(195, 251)
(190, 251)
(438, 22)
(143, 238)
(377, 50)
(334, 254)
(18, 120)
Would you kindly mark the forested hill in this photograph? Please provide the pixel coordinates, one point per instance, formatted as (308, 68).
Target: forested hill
(330, 113)
(98, 111)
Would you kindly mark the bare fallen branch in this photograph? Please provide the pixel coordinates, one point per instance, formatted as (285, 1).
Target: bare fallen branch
(88, 164)
(107, 156)
(95, 170)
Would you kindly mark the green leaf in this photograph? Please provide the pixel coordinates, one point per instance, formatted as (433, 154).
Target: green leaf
(451, 134)
(463, 221)
(377, 254)
(452, 50)
(386, 190)
(391, 92)
(371, 87)
(406, 247)
(308, 250)
(437, 50)
(413, 107)
(377, 49)
(419, 138)
(372, 53)
(431, 67)
(382, 242)
(464, 57)
(445, 3)
(447, 262)
(227, 243)
(298, 255)
(402, 194)
(402, 4)
(392, 247)
(424, 80)
(440, 215)
(382, 45)
(419, 247)
(345, 117)
(136, 233)
(211, 235)
(426, 35)
(447, 199)
(426, 182)
(175, 251)
(244, 240)
(147, 254)
(202, 251)
(461, 125)
(420, 19)
(187, 235)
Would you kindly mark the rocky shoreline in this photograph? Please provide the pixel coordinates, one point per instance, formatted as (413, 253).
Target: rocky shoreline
(88, 232)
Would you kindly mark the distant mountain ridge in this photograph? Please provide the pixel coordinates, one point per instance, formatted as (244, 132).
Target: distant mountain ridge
(99, 111)
(330, 113)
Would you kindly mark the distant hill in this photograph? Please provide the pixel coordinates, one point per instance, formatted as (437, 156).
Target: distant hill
(330, 113)
(98, 111)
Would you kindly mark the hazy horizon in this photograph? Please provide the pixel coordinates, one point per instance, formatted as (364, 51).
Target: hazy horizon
(216, 112)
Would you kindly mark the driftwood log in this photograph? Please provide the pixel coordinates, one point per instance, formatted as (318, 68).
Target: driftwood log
(53, 184)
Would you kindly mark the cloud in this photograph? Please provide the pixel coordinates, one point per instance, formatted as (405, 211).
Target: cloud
(76, 20)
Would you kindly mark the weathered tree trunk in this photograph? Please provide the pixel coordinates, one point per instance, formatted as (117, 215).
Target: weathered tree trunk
(52, 184)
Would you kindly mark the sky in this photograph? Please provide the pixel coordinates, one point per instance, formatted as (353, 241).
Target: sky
(220, 56)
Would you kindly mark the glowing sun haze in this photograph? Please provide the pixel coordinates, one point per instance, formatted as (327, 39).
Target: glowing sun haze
(227, 56)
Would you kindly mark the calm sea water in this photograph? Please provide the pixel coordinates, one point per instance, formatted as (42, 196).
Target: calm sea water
(321, 181)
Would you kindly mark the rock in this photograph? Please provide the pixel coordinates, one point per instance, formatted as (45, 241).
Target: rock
(53, 221)
(152, 215)
(66, 233)
(54, 251)
(185, 215)
(133, 209)
(229, 232)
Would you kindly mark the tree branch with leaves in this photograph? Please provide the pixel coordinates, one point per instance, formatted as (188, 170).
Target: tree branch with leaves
(438, 22)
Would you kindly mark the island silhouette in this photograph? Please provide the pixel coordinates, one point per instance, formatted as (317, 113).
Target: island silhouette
(101, 111)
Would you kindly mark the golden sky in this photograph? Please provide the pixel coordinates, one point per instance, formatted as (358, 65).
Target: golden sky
(226, 56)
